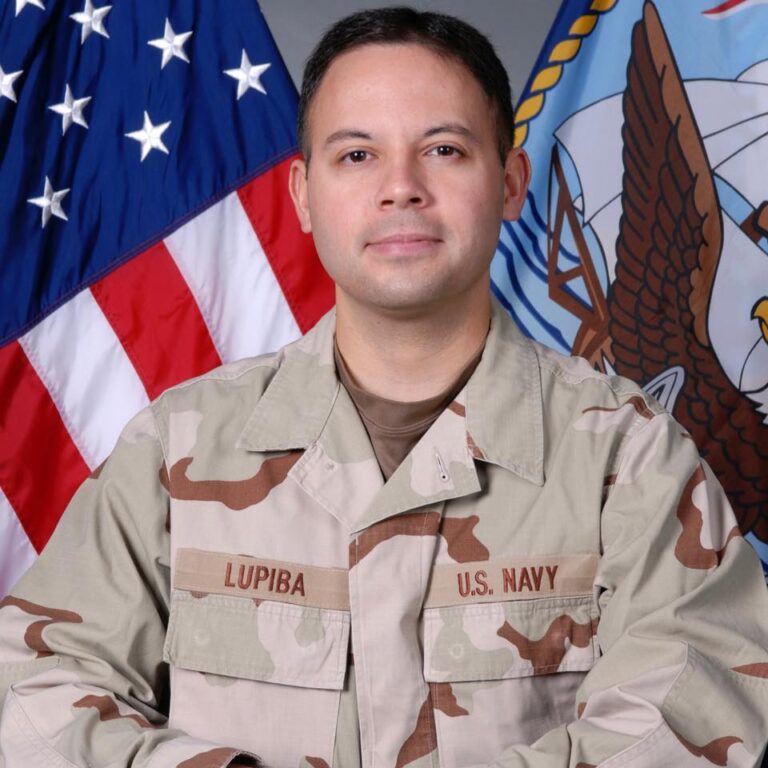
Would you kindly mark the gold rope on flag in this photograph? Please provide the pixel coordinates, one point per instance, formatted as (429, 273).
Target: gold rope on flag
(549, 76)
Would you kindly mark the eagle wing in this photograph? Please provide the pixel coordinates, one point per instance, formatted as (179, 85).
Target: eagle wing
(668, 249)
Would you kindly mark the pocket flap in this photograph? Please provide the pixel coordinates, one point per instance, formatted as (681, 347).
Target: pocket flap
(258, 640)
(513, 638)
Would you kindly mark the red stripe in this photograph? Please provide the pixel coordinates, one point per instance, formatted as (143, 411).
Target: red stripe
(723, 7)
(40, 466)
(291, 253)
(155, 316)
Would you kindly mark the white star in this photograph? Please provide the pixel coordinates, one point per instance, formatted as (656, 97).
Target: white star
(171, 44)
(92, 20)
(248, 76)
(149, 137)
(6, 83)
(71, 110)
(21, 3)
(50, 202)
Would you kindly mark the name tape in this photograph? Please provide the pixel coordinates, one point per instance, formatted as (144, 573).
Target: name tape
(218, 573)
(451, 584)
(511, 579)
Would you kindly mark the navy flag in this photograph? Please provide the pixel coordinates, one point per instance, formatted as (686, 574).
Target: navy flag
(644, 243)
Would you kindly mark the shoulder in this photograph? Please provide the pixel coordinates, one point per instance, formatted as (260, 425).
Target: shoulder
(573, 380)
(241, 384)
(250, 375)
(223, 398)
(602, 418)
(565, 385)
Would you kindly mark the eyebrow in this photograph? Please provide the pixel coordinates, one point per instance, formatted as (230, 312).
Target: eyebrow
(458, 128)
(350, 133)
(347, 133)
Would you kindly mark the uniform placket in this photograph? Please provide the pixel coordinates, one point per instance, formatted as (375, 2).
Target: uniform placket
(390, 564)
(391, 560)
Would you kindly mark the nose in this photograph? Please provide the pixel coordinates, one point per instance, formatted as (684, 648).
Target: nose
(402, 185)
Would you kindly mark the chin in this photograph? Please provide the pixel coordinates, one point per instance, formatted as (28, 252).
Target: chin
(410, 298)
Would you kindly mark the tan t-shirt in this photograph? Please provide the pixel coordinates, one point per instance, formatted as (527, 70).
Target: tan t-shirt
(395, 427)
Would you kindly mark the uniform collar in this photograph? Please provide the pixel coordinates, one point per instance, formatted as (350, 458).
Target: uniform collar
(504, 401)
(503, 398)
(297, 402)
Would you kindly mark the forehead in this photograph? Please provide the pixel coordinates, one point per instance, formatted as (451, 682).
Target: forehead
(403, 80)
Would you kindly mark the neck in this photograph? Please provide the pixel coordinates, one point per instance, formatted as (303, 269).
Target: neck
(415, 355)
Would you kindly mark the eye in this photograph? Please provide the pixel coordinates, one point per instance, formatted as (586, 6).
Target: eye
(355, 157)
(446, 150)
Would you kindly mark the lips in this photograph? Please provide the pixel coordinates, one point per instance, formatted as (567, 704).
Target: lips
(404, 243)
(406, 237)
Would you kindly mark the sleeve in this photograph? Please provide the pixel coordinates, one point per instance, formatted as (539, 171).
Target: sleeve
(683, 632)
(81, 634)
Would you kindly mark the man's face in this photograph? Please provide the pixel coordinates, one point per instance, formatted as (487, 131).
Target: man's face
(405, 192)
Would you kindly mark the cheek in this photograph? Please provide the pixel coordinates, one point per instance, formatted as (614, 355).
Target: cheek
(328, 249)
(332, 242)
(322, 212)
(329, 206)
(476, 213)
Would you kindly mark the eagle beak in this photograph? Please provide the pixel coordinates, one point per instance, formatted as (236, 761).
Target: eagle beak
(752, 379)
(760, 313)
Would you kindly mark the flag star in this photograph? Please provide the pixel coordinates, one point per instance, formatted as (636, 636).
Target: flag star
(71, 110)
(20, 4)
(50, 202)
(248, 76)
(92, 20)
(171, 44)
(6, 83)
(150, 137)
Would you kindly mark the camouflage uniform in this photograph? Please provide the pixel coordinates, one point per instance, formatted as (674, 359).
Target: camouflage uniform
(552, 577)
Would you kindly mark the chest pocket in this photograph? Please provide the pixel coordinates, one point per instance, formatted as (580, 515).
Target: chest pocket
(261, 675)
(508, 670)
(258, 640)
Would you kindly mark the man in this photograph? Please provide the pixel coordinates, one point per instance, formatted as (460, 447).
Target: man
(549, 575)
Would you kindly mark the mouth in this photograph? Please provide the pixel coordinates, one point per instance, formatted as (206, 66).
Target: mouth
(404, 244)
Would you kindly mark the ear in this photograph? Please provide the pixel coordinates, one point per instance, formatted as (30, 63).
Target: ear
(517, 175)
(297, 186)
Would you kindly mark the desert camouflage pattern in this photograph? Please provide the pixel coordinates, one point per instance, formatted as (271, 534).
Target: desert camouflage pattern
(551, 578)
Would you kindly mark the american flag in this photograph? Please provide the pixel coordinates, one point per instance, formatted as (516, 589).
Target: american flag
(146, 234)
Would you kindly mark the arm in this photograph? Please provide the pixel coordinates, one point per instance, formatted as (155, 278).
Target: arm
(81, 635)
(683, 624)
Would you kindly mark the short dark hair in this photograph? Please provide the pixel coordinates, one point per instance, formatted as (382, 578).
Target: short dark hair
(446, 35)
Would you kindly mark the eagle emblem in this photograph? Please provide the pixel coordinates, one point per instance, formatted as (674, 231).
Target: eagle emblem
(666, 243)
(672, 235)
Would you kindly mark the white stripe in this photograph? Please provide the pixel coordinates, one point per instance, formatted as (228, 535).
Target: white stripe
(225, 267)
(84, 367)
(16, 550)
